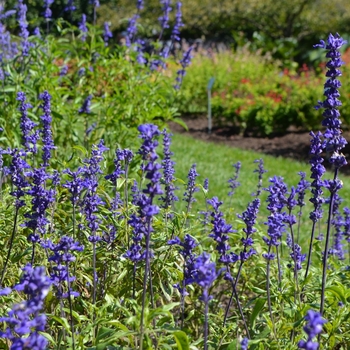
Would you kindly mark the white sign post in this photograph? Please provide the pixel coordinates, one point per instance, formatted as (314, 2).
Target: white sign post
(209, 87)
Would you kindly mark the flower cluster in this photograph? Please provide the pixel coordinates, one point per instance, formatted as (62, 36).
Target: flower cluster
(261, 171)
(184, 62)
(220, 233)
(168, 171)
(62, 257)
(175, 34)
(302, 186)
(85, 108)
(29, 136)
(191, 187)
(334, 142)
(249, 217)
(317, 171)
(107, 34)
(187, 247)
(23, 25)
(205, 274)
(275, 221)
(42, 197)
(83, 28)
(46, 132)
(233, 183)
(313, 327)
(25, 320)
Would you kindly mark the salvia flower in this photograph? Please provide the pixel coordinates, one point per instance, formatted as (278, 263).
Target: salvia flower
(76, 185)
(249, 217)
(25, 321)
(42, 198)
(187, 246)
(164, 19)
(302, 186)
(47, 12)
(62, 256)
(337, 222)
(83, 28)
(85, 108)
(334, 142)
(63, 70)
(139, 5)
(191, 187)
(29, 135)
(92, 200)
(46, 132)
(317, 171)
(17, 170)
(295, 254)
(233, 183)
(168, 172)
(107, 34)
(184, 62)
(175, 34)
(220, 233)
(70, 6)
(313, 327)
(131, 30)
(244, 344)
(346, 224)
(261, 171)
(23, 24)
(205, 274)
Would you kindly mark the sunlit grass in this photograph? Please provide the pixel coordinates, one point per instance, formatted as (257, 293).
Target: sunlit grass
(214, 161)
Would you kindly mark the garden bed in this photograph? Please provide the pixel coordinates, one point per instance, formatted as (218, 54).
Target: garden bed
(294, 144)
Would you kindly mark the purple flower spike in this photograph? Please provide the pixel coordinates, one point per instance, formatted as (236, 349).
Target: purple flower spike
(168, 172)
(184, 62)
(23, 24)
(70, 6)
(334, 142)
(175, 35)
(85, 108)
(107, 34)
(187, 247)
(29, 136)
(205, 274)
(191, 185)
(244, 344)
(313, 327)
(83, 28)
(164, 19)
(249, 217)
(25, 320)
(46, 118)
(233, 183)
(317, 171)
(47, 12)
(220, 233)
(261, 171)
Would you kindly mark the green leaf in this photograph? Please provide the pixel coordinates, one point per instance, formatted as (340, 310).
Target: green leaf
(337, 292)
(181, 340)
(180, 122)
(260, 302)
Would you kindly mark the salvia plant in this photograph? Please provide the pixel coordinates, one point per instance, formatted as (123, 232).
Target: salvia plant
(102, 245)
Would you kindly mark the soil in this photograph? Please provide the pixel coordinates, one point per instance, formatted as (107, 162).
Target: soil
(295, 144)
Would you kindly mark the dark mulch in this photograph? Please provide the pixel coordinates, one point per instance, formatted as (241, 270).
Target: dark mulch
(295, 144)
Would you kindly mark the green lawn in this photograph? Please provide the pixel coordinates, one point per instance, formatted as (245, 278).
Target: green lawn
(215, 163)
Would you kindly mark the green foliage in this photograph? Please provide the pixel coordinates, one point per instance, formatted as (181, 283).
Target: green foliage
(252, 93)
(124, 93)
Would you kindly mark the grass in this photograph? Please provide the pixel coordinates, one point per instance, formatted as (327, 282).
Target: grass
(214, 161)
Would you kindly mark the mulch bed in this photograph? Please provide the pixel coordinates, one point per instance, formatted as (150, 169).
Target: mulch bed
(295, 144)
